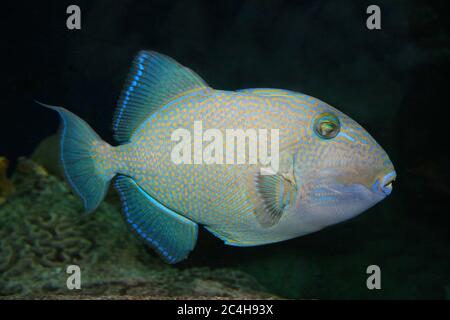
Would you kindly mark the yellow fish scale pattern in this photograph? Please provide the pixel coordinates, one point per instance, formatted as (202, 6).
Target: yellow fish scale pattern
(221, 195)
(210, 194)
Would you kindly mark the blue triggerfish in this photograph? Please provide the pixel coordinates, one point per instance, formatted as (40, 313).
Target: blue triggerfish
(326, 168)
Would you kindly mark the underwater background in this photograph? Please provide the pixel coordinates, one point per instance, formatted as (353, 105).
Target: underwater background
(393, 81)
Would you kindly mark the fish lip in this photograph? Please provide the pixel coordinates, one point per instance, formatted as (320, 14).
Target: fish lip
(385, 186)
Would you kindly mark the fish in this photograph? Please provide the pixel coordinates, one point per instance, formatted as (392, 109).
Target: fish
(328, 167)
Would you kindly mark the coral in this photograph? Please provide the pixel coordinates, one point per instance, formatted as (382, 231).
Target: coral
(6, 186)
(47, 155)
(43, 230)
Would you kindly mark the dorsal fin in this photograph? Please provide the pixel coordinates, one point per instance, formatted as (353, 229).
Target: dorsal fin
(154, 80)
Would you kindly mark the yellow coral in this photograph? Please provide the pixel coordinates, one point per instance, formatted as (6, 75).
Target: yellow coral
(6, 186)
(27, 166)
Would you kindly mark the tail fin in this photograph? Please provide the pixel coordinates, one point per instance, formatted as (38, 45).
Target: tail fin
(80, 147)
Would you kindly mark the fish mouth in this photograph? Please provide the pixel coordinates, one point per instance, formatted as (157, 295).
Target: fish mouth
(384, 185)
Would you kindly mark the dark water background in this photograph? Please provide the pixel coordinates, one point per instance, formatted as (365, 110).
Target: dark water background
(393, 81)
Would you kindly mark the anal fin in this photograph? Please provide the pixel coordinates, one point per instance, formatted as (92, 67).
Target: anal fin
(169, 233)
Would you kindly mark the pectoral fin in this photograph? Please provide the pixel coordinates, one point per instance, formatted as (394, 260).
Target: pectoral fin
(169, 233)
(274, 193)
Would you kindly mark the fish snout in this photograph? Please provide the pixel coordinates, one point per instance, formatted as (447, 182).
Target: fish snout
(383, 184)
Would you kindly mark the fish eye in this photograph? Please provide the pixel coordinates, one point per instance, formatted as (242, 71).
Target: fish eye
(327, 125)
